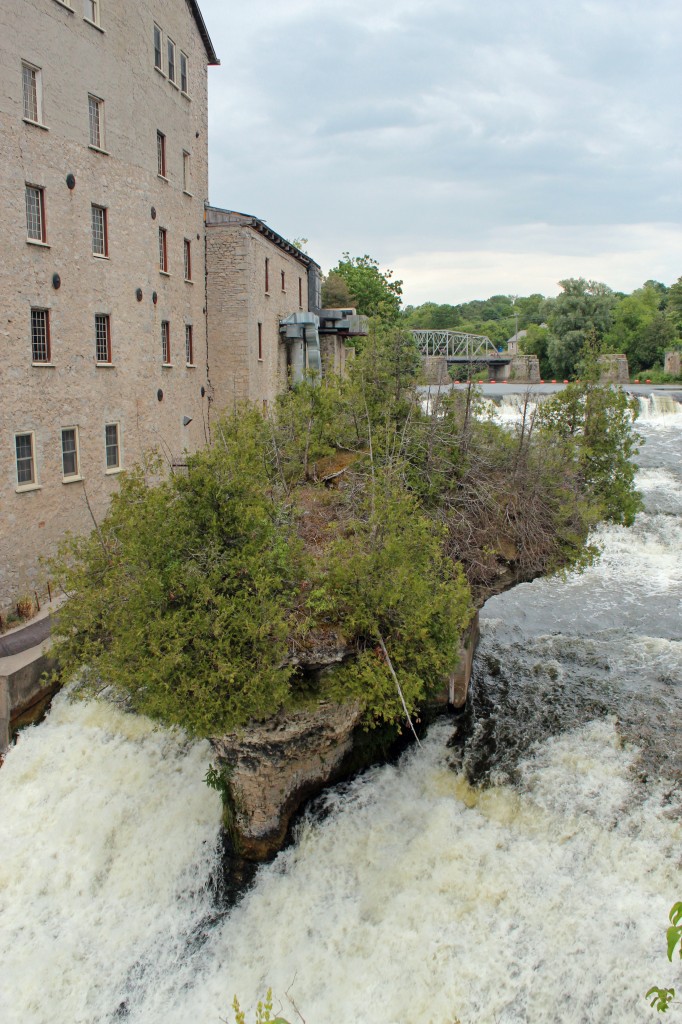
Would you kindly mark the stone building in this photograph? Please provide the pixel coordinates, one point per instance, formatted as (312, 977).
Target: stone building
(265, 324)
(103, 145)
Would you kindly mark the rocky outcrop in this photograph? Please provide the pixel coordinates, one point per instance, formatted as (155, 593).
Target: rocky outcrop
(275, 766)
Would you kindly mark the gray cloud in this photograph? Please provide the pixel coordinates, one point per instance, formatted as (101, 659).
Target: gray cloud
(428, 127)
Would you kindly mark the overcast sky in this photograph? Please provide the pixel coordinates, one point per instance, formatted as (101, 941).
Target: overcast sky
(474, 146)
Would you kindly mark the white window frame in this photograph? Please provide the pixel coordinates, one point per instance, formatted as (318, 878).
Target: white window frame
(161, 163)
(159, 66)
(45, 340)
(69, 477)
(189, 345)
(91, 11)
(184, 73)
(106, 318)
(165, 343)
(96, 103)
(41, 238)
(112, 468)
(33, 483)
(171, 53)
(163, 251)
(36, 84)
(95, 232)
(187, 259)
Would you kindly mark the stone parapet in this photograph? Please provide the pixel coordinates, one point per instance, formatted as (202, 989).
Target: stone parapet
(613, 368)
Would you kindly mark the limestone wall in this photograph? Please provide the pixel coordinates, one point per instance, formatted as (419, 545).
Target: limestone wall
(238, 302)
(75, 59)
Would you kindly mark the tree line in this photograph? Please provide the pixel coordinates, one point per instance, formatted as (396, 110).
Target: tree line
(584, 319)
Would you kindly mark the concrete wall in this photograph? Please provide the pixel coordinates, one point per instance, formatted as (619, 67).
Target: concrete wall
(116, 65)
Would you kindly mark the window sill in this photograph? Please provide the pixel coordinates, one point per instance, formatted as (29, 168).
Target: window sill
(67, 7)
(186, 193)
(190, 366)
(105, 366)
(260, 359)
(98, 149)
(163, 178)
(164, 273)
(188, 280)
(113, 471)
(41, 364)
(186, 95)
(174, 83)
(41, 245)
(94, 24)
(24, 488)
(167, 366)
(72, 479)
(160, 70)
(267, 295)
(100, 256)
(36, 124)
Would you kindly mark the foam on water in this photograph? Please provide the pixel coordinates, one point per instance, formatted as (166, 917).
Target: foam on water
(108, 843)
(415, 899)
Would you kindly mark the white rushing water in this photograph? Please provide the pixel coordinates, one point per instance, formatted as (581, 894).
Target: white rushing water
(410, 896)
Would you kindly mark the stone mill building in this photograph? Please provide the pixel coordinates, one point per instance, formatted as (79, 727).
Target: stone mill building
(116, 337)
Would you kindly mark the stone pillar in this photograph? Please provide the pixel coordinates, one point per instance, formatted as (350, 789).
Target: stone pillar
(673, 363)
(525, 370)
(435, 370)
(613, 369)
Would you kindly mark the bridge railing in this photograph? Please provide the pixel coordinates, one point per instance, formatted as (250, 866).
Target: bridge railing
(455, 345)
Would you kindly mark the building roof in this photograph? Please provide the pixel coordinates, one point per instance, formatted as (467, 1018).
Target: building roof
(201, 25)
(216, 216)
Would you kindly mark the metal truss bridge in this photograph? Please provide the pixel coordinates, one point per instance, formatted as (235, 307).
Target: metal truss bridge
(457, 347)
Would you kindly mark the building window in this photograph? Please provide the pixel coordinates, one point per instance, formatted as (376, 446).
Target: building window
(283, 281)
(188, 260)
(91, 11)
(26, 463)
(157, 48)
(186, 171)
(300, 292)
(163, 250)
(112, 446)
(31, 79)
(35, 213)
(100, 234)
(165, 342)
(70, 452)
(40, 335)
(161, 154)
(102, 338)
(96, 121)
(184, 73)
(267, 274)
(171, 60)
(189, 345)
(260, 342)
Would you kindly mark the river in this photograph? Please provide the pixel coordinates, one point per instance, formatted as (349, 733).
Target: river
(522, 873)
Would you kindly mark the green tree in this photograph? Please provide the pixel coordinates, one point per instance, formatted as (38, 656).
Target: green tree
(640, 329)
(181, 598)
(535, 343)
(581, 306)
(371, 290)
(335, 292)
(674, 306)
(595, 423)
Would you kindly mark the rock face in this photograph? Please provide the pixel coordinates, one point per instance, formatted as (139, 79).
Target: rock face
(277, 765)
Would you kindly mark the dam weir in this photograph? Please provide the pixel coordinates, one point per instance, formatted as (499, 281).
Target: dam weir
(522, 873)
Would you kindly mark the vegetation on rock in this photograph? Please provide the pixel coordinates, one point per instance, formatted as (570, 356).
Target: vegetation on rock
(350, 514)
